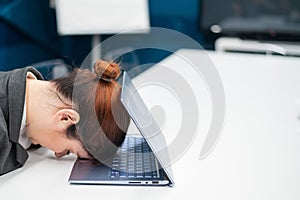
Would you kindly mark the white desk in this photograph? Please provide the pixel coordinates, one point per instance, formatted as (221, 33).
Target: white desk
(257, 157)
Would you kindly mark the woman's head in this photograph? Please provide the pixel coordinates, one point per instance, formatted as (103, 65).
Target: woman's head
(95, 97)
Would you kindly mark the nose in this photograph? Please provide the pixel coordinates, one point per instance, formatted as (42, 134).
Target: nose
(61, 154)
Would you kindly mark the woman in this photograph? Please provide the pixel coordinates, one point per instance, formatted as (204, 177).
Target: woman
(80, 114)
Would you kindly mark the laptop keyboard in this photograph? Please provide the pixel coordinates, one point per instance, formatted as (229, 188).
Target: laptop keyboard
(134, 159)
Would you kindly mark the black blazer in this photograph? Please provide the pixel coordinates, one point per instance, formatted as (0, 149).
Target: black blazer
(12, 97)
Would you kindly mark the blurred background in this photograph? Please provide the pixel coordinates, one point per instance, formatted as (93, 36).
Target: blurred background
(29, 33)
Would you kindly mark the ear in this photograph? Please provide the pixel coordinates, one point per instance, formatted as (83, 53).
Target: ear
(65, 118)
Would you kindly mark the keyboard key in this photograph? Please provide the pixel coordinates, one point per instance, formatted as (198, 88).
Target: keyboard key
(123, 174)
(139, 175)
(131, 175)
(148, 174)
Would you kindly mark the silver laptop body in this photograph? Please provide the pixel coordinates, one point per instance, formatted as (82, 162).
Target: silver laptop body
(140, 160)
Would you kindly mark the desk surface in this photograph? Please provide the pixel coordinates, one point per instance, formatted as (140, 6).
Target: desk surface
(257, 156)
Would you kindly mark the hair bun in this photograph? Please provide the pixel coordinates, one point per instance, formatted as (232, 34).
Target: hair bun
(107, 70)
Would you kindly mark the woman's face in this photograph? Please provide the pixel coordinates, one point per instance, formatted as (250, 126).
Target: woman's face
(51, 135)
(61, 145)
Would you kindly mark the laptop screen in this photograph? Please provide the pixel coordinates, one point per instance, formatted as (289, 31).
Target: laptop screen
(146, 124)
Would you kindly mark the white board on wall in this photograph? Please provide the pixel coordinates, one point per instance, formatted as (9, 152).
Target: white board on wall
(82, 17)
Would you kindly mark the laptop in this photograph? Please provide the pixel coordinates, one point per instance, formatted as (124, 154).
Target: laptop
(140, 160)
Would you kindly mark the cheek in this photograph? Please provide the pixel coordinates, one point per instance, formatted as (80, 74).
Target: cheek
(37, 129)
(52, 141)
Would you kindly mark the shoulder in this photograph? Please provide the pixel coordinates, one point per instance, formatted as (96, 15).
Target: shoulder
(21, 73)
(35, 72)
(15, 79)
(7, 160)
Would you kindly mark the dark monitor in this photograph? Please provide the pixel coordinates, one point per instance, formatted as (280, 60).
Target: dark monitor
(257, 19)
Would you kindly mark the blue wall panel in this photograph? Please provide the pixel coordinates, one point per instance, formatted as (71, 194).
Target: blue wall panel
(28, 32)
(17, 50)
